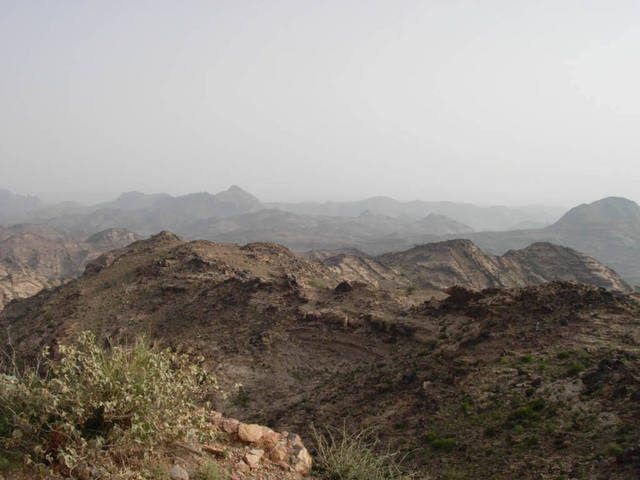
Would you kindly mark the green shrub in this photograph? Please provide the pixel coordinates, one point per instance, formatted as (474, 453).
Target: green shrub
(526, 359)
(613, 449)
(438, 442)
(241, 397)
(574, 368)
(341, 455)
(97, 405)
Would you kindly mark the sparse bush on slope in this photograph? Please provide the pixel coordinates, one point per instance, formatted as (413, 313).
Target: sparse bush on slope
(341, 455)
(111, 407)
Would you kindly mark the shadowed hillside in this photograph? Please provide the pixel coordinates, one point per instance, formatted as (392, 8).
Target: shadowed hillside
(506, 383)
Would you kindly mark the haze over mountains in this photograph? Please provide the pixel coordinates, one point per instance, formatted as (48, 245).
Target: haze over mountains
(607, 230)
(131, 207)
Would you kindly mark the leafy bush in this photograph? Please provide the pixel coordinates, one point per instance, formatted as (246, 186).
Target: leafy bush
(344, 456)
(107, 406)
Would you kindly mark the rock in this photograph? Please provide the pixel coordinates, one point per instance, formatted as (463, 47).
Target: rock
(230, 426)
(279, 452)
(217, 451)
(178, 473)
(242, 467)
(300, 460)
(269, 439)
(249, 433)
(253, 457)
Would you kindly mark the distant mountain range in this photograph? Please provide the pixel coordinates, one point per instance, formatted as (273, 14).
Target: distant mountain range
(607, 230)
(144, 213)
(476, 217)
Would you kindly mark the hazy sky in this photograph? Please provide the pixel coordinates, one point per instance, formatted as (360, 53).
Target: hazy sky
(507, 102)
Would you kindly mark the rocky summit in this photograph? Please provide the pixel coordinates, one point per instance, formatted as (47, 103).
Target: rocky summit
(537, 381)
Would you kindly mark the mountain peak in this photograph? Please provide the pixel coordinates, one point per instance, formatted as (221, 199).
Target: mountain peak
(238, 196)
(604, 211)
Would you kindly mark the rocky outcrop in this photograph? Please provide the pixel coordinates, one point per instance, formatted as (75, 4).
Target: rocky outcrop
(461, 262)
(285, 450)
(35, 257)
(607, 230)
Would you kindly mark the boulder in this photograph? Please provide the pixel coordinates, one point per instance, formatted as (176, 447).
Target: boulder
(253, 457)
(249, 433)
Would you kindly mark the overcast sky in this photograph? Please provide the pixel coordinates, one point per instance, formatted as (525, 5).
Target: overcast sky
(505, 102)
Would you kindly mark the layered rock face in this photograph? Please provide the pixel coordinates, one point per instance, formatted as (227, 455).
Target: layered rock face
(35, 257)
(460, 262)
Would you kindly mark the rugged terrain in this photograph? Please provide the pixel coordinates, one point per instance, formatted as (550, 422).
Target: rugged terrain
(534, 382)
(608, 230)
(33, 257)
(436, 266)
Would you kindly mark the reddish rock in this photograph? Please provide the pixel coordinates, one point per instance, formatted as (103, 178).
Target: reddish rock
(249, 433)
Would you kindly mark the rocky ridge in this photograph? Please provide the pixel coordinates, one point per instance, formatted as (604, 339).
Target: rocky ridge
(440, 265)
(607, 230)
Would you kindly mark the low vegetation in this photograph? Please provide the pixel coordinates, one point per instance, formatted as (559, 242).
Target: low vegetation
(117, 407)
(341, 455)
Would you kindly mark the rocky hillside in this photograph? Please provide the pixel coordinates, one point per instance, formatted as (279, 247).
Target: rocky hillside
(33, 257)
(440, 265)
(535, 382)
(607, 230)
